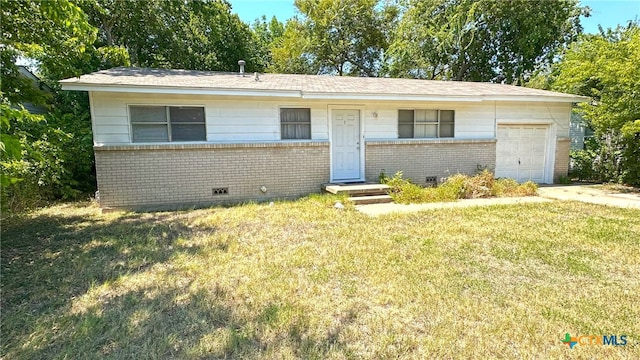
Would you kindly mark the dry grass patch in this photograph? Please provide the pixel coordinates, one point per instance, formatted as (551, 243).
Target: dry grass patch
(304, 280)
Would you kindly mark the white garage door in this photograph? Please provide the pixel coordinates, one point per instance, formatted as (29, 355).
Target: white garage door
(520, 152)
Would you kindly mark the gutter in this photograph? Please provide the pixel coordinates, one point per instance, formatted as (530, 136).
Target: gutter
(75, 86)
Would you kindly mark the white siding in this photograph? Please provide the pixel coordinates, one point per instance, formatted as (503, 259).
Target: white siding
(557, 114)
(319, 122)
(255, 119)
(385, 126)
(110, 122)
(227, 120)
(473, 120)
(237, 121)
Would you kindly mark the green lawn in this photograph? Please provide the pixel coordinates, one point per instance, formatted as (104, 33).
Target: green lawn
(304, 280)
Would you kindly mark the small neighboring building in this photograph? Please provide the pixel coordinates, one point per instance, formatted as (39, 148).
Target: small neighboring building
(35, 82)
(192, 138)
(579, 132)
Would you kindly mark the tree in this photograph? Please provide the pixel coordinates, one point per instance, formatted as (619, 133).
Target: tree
(268, 35)
(290, 54)
(191, 34)
(343, 37)
(40, 30)
(486, 40)
(47, 157)
(605, 67)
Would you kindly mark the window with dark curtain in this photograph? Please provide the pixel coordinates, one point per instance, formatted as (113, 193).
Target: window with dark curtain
(295, 123)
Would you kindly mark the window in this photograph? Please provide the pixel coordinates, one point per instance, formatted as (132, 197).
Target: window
(167, 123)
(295, 123)
(425, 123)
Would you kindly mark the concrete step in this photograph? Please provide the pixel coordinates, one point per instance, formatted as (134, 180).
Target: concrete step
(356, 189)
(371, 199)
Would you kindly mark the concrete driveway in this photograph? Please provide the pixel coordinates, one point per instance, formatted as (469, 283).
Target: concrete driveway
(593, 194)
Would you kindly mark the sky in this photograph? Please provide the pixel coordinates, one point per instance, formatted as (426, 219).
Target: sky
(608, 13)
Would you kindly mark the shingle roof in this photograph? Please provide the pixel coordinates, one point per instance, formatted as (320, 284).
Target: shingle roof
(305, 85)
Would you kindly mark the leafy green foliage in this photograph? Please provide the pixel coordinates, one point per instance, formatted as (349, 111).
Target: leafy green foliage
(605, 67)
(40, 152)
(193, 34)
(35, 171)
(341, 37)
(481, 40)
(268, 35)
(53, 32)
(458, 186)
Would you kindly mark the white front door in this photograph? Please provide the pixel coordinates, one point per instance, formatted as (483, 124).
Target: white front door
(521, 152)
(345, 145)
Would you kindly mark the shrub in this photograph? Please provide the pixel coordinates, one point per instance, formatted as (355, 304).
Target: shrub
(458, 186)
(478, 186)
(452, 188)
(503, 187)
(582, 165)
(404, 191)
(48, 163)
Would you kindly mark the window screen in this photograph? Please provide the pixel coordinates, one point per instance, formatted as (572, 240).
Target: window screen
(167, 123)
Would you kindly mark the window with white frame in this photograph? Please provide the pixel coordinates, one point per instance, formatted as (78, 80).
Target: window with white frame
(150, 123)
(425, 123)
(295, 123)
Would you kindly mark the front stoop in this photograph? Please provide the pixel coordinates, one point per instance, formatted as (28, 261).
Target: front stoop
(361, 194)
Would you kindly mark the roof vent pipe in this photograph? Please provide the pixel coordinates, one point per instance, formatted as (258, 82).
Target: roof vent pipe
(241, 63)
(256, 76)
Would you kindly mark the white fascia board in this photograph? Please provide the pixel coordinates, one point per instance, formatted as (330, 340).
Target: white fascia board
(183, 91)
(533, 98)
(383, 97)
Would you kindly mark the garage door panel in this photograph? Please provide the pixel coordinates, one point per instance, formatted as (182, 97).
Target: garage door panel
(525, 162)
(537, 176)
(503, 132)
(537, 162)
(521, 152)
(541, 133)
(514, 133)
(506, 174)
(538, 147)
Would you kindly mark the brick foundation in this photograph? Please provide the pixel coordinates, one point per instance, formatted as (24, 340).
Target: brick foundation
(169, 176)
(419, 159)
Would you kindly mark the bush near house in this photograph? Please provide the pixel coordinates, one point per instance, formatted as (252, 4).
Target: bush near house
(458, 186)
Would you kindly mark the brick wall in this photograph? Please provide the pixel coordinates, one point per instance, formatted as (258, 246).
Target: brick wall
(561, 166)
(421, 158)
(164, 176)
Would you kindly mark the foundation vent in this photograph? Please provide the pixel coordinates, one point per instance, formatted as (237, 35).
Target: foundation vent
(220, 191)
(431, 180)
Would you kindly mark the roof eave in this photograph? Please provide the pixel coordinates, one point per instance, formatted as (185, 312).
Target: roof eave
(179, 90)
(387, 97)
(537, 98)
(78, 86)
